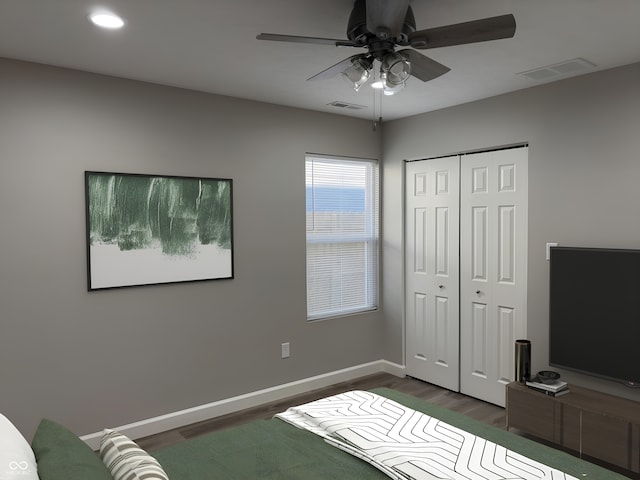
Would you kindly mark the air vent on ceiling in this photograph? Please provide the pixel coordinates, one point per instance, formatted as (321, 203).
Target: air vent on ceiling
(566, 68)
(350, 106)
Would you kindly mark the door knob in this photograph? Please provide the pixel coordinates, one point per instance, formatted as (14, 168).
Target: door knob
(440, 287)
(478, 292)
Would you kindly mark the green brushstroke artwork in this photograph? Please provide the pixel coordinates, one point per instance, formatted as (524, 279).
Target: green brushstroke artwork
(173, 214)
(145, 230)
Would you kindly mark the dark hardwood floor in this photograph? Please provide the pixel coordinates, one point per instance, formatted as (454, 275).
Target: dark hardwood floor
(471, 407)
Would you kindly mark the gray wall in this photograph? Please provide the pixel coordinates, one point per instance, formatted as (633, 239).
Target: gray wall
(90, 360)
(113, 357)
(584, 180)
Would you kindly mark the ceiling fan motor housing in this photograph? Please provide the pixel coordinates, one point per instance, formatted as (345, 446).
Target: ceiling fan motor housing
(359, 34)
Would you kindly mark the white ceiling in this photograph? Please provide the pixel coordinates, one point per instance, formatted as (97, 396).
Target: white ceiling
(210, 45)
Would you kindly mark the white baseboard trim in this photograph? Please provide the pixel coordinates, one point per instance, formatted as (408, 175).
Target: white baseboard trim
(181, 418)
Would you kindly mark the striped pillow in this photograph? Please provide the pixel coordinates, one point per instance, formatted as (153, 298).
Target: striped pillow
(126, 460)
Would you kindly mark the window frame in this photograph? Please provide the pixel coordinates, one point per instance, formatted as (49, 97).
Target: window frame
(370, 237)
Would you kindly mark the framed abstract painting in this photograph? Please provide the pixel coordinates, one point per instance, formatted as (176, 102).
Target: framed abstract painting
(153, 229)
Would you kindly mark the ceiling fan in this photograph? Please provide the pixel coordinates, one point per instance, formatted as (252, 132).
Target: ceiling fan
(381, 25)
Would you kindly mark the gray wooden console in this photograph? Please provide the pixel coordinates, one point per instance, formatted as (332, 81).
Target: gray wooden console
(587, 422)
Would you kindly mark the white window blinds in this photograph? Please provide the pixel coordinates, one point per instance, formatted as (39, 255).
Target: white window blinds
(342, 236)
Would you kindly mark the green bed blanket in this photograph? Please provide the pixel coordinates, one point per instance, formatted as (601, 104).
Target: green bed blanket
(274, 450)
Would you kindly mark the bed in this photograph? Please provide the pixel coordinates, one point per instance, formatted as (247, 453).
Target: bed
(276, 450)
(273, 449)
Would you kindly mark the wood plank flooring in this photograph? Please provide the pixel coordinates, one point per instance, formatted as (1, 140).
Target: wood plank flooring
(471, 407)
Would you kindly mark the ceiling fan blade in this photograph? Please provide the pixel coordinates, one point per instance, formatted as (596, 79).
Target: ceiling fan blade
(386, 17)
(334, 70)
(492, 28)
(314, 40)
(423, 68)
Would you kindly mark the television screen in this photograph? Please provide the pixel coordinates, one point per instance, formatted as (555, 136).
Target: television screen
(594, 312)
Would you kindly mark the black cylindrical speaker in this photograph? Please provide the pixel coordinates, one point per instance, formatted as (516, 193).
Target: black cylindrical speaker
(523, 360)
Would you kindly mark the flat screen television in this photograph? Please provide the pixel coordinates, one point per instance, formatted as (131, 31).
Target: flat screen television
(594, 312)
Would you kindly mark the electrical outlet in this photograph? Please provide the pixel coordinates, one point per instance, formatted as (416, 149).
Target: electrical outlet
(285, 350)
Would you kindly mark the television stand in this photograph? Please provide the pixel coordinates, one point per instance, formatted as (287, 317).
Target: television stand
(586, 422)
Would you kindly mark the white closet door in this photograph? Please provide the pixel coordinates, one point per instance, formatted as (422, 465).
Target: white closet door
(493, 263)
(432, 271)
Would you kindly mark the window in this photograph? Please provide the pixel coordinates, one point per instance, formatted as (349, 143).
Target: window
(342, 236)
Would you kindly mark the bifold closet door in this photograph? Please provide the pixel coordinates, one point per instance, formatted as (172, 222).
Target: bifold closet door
(466, 259)
(432, 271)
(493, 269)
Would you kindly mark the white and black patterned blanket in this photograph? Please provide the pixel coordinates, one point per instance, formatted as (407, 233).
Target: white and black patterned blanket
(406, 444)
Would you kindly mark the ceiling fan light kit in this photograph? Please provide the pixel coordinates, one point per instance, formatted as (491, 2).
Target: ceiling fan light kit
(379, 26)
(394, 72)
(389, 87)
(358, 73)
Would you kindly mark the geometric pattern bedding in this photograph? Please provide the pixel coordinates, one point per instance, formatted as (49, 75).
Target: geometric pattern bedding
(410, 445)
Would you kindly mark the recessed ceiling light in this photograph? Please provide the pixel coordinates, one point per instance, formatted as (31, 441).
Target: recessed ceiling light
(106, 20)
